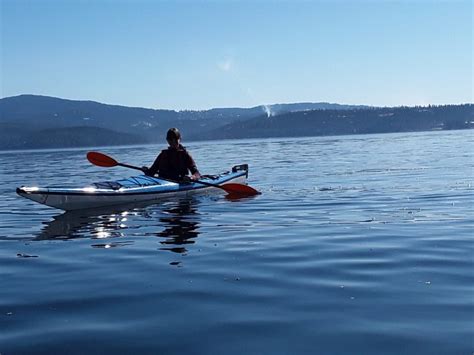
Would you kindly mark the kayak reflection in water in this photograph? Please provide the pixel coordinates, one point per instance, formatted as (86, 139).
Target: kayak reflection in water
(177, 225)
(181, 227)
(175, 162)
(93, 224)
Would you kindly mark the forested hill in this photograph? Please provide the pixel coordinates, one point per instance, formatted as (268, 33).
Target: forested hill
(30, 121)
(360, 121)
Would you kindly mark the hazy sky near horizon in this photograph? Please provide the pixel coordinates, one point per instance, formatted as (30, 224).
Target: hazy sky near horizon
(204, 54)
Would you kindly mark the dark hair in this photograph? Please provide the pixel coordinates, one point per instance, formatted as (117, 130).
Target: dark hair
(173, 133)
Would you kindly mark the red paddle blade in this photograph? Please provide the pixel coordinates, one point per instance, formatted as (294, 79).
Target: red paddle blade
(100, 159)
(239, 189)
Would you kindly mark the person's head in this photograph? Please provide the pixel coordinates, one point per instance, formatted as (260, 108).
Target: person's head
(173, 137)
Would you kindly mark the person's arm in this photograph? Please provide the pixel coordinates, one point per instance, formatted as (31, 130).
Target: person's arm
(191, 165)
(151, 171)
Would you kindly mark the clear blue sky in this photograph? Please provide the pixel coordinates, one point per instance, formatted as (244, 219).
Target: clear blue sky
(205, 54)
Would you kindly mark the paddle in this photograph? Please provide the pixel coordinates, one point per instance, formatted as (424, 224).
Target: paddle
(106, 161)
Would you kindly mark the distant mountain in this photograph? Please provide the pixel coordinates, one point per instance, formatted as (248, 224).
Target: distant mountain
(279, 109)
(32, 121)
(15, 137)
(49, 112)
(340, 122)
(26, 120)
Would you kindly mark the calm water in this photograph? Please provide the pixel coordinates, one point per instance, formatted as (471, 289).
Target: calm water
(358, 245)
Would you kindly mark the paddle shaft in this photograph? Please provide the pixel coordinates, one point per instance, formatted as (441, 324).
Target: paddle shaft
(130, 166)
(208, 184)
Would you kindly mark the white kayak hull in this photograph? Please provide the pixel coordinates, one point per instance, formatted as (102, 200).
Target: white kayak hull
(132, 190)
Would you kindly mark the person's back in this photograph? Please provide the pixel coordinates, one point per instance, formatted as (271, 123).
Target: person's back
(175, 162)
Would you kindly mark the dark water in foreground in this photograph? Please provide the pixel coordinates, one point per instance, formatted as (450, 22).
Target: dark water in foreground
(364, 245)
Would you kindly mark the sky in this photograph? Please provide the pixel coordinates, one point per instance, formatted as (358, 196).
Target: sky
(233, 53)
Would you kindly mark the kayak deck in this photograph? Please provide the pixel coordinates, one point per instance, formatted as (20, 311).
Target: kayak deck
(134, 189)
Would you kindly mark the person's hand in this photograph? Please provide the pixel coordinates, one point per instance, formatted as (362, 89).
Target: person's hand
(145, 170)
(195, 176)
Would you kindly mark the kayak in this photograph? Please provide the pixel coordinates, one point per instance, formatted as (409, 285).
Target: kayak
(133, 189)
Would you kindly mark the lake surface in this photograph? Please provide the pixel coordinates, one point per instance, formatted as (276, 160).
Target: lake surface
(358, 245)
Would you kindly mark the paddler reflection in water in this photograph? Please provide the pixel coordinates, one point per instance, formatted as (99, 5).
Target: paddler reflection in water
(175, 162)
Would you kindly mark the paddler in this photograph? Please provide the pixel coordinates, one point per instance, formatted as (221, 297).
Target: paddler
(175, 162)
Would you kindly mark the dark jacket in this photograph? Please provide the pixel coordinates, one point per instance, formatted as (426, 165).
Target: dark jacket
(173, 164)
